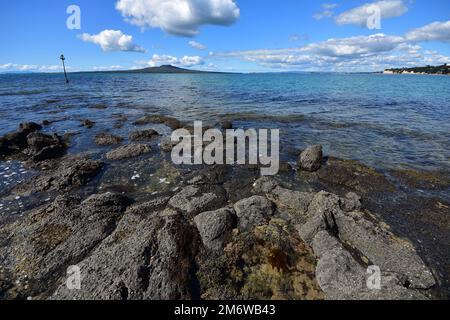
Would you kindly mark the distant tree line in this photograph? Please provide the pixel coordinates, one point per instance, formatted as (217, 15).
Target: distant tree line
(443, 69)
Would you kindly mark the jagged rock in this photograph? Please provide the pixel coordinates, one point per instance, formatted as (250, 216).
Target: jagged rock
(215, 227)
(17, 140)
(167, 145)
(128, 151)
(168, 121)
(42, 147)
(295, 203)
(351, 202)
(341, 277)
(146, 257)
(37, 141)
(390, 253)
(193, 200)
(41, 247)
(321, 212)
(66, 174)
(253, 212)
(311, 159)
(106, 139)
(264, 185)
(209, 175)
(143, 135)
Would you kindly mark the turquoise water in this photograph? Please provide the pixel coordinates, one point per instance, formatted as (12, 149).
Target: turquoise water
(385, 121)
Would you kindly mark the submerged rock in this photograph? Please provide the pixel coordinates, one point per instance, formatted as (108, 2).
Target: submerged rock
(106, 139)
(354, 176)
(167, 121)
(128, 151)
(143, 135)
(311, 159)
(87, 123)
(425, 180)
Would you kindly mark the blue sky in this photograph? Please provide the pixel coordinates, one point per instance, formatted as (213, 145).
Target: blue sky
(225, 35)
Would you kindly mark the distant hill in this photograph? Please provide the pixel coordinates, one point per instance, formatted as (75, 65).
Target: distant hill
(442, 70)
(166, 69)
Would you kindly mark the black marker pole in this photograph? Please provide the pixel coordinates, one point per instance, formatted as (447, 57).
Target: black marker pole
(64, 67)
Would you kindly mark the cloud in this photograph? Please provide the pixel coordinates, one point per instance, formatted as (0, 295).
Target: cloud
(360, 53)
(113, 40)
(185, 62)
(108, 68)
(327, 11)
(179, 17)
(197, 45)
(359, 15)
(14, 67)
(436, 31)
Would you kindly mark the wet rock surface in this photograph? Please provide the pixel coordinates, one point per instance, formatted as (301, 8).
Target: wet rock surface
(144, 135)
(128, 151)
(211, 232)
(106, 139)
(311, 159)
(170, 122)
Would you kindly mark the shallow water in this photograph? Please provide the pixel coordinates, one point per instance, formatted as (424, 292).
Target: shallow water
(383, 121)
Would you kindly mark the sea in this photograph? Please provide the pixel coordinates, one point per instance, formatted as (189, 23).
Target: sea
(385, 121)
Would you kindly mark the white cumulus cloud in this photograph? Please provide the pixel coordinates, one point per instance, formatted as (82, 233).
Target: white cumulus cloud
(184, 62)
(179, 17)
(436, 31)
(197, 45)
(113, 40)
(360, 15)
(14, 67)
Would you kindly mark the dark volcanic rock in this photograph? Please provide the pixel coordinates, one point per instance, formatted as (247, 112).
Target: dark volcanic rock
(106, 139)
(253, 212)
(87, 123)
(128, 151)
(42, 147)
(215, 227)
(354, 176)
(41, 248)
(17, 140)
(311, 159)
(193, 200)
(62, 175)
(425, 180)
(168, 121)
(143, 135)
(341, 277)
(148, 256)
